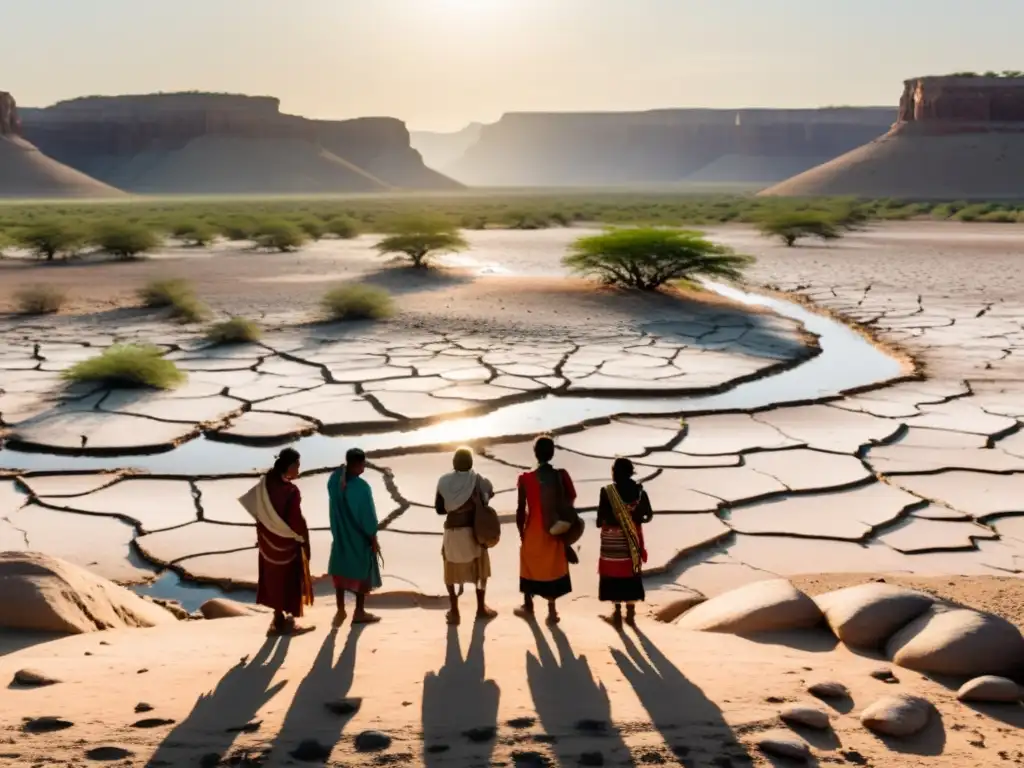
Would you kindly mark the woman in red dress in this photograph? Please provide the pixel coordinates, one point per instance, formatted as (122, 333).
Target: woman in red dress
(622, 510)
(543, 558)
(284, 578)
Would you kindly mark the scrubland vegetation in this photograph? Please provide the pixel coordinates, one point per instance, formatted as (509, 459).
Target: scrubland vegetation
(128, 365)
(128, 230)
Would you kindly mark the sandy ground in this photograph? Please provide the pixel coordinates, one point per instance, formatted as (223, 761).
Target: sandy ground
(553, 695)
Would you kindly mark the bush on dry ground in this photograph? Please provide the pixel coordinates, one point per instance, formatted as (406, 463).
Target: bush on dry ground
(278, 235)
(237, 330)
(128, 365)
(124, 239)
(194, 233)
(790, 227)
(421, 237)
(178, 295)
(649, 258)
(51, 237)
(39, 300)
(354, 301)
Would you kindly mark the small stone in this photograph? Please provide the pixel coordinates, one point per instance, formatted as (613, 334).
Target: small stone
(247, 728)
(592, 726)
(784, 745)
(855, 757)
(522, 722)
(143, 671)
(46, 724)
(33, 678)
(152, 722)
(812, 717)
(897, 715)
(774, 699)
(591, 758)
(829, 689)
(143, 707)
(437, 749)
(343, 707)
(372, 741)
(998, 690)
(481, 735)
(108, 754)
(885, 675)
(311, 751)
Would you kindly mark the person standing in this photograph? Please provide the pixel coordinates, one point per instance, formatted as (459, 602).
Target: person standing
(543, 558)
(465, 560)
(354, 565)
(623, 508)
(283, 543)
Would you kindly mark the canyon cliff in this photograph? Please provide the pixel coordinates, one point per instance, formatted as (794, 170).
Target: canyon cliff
(663, 146)
(955, 138)
(195, 143)
(25, 172)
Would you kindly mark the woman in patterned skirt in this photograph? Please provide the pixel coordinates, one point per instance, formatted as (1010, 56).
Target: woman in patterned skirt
(622, 510)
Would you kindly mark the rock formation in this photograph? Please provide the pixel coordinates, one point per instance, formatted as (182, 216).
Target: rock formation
(28, 173)
(955, 138)
(441, 150)
(195, 143)
(663, 146)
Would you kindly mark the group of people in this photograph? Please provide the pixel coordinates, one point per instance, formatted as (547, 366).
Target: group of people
(546, 554)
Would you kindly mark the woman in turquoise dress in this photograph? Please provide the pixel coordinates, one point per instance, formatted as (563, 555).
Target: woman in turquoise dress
(354, 564)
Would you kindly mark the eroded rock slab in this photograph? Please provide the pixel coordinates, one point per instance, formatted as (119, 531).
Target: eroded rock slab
(152, 504)
(760, 607)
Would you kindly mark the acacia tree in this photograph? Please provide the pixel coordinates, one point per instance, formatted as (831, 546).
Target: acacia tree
(790, 227)
(47, 239)
(419, 238)
(648, 258)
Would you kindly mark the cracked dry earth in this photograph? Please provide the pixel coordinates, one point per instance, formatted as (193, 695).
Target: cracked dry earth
(919, 477)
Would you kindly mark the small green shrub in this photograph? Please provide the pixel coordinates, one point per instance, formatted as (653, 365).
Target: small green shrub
(354, 301)
(342, 227)
(279, 236)
(792, 226)
(39, 300)
(124, 239)
(237, 229)
(196, 234)
(47, 239)
(164, 292)
(649, 258)
(237, 330)
(177, 294)
(128, 365)
(313, 228)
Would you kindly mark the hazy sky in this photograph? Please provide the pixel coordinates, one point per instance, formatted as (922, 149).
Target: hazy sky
(439, 64)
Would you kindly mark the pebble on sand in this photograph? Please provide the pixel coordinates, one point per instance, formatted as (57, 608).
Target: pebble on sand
(33, 678)
(997, 690)
(784, 745)
(828, 689)
(812, 717)
(900, 715)
(372, 741)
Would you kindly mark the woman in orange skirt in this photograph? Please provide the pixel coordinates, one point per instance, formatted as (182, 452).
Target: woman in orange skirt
(543, 558)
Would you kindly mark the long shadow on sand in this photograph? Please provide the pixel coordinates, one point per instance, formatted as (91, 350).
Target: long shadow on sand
(676, 704)
(218, 716)
(327, 682)
(401, 278)
(571, 704)
(460, 703)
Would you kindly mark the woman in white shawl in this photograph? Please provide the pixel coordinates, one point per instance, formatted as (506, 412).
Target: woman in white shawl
(465, 561)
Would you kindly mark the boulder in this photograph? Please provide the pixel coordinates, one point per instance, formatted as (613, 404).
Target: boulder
(812, 717)
(687, 598)
(44, 594)
(897, 715)
(222, 608)
(958, 641)
(784, 745)
(989, 688)
(763, 606)
(867, 615)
